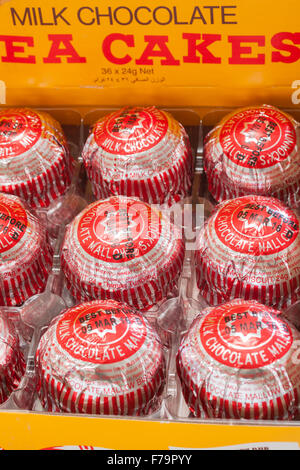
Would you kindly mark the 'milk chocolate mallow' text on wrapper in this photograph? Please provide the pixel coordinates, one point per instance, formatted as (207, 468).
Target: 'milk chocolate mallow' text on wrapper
(101, 357)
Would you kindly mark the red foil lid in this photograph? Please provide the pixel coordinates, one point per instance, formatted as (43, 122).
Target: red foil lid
(240, 360)
(25, 252)
(122, 248)
(141, 152)
(12, 362)
(250, 248)
(101, 357)
(254, 150)
(34, 158)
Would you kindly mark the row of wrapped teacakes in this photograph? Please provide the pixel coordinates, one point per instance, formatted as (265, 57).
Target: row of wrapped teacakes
(141, 152)
(146, 153)
(239, 360)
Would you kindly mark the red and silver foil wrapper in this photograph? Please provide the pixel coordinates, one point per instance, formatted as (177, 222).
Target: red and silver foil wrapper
(140, 152)
(240, 361)
(100, 357)
(12, 362)
(250, 248)
(254, 150)
(25, 252)
(122, 248)
(35, 163)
